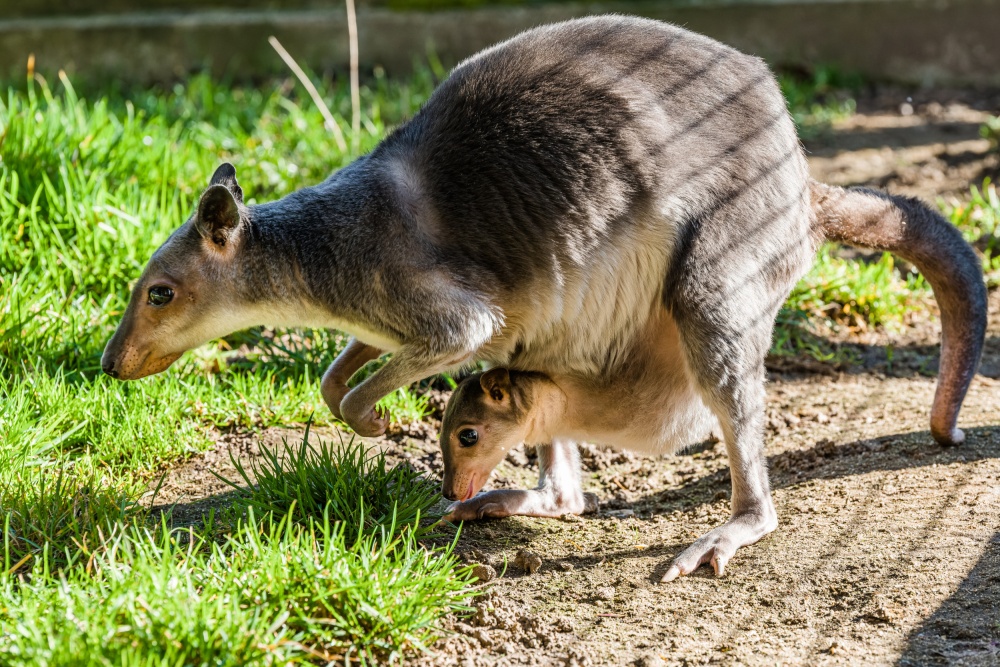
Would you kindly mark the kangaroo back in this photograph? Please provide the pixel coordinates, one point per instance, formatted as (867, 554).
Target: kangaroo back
(909, 228)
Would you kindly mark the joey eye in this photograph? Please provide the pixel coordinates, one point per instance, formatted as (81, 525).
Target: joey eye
(467, 437)
(160, 295)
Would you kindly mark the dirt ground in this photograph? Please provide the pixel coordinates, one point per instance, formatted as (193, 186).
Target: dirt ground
(888, 548)
(921, 144)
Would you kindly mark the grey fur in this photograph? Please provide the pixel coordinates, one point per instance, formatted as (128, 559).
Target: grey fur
(555, 192)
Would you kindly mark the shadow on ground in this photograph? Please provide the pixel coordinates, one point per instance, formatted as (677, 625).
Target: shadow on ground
(828, 460)
(901, 361)
(948, 637)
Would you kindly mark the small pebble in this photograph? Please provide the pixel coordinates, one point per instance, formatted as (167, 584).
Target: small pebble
(605, 593)
(484, 573)
(650, 660)
(528, 561)
(565, 566)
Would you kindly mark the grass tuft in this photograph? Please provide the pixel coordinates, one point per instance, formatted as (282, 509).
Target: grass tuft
(857, 293)
(796, 335)
(850, 293)
(58, 518)
(979, 220)
(350, 484)
(274, 592)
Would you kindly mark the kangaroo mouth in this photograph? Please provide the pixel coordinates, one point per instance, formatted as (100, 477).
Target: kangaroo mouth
(159, 365)
(149, 365)
(471, 491)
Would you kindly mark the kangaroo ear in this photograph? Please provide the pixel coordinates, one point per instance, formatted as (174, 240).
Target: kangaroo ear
(226, 175)
(496, 384)
(218, 215)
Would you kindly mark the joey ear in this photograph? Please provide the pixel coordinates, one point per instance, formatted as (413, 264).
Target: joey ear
(226, 175)
(496, 384)
(218, 215)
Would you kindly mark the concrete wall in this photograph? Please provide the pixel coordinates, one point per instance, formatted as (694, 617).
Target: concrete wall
(919, 41)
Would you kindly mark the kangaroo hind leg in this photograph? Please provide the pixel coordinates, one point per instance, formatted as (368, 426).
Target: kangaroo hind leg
(726, 353)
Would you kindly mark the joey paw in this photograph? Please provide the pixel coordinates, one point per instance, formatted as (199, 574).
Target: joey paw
(484, 506)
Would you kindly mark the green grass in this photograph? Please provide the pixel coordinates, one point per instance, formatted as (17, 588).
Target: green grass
(53, 517)
(857, 293)
(334, 568)
(87, 191)
(349, 484)
(273, 592)
(818, 97)
(322, 559)
(979, 220)
(991, 131)
(850, 293)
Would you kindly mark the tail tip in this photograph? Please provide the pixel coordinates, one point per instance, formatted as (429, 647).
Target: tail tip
(950, 437)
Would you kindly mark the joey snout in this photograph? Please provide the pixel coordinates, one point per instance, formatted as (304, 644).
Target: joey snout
(462, 485)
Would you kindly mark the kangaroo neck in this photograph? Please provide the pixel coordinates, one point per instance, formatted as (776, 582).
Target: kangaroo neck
(305, 247)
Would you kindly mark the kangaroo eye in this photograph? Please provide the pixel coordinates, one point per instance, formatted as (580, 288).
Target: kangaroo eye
(160, 295)
(468, 437)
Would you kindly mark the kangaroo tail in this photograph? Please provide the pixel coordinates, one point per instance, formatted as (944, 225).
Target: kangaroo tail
(912, 230)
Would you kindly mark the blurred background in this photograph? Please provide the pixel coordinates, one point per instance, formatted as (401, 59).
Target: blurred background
(927, 42)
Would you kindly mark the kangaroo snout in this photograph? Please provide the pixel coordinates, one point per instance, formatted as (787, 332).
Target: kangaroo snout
(458, 485)
(126, 358)
(448, 485)
(111, 362)
(109, 368)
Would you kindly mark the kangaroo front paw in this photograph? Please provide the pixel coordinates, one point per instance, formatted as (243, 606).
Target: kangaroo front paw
(370, 424)
(333, 394)
(718, 546)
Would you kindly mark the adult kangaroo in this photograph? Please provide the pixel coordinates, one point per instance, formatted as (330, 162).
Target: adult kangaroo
(556, 194)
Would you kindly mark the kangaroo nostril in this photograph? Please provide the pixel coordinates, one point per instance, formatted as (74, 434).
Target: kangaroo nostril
(109, 368)
(450, 496)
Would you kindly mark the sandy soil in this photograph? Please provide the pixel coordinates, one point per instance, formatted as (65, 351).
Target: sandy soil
(925, 145)
(888, 551)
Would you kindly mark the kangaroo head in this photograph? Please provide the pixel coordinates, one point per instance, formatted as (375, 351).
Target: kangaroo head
(488, 415)
(187, 295)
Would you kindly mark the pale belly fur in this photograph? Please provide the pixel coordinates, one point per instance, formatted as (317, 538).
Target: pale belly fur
(651, 405)
(586, 312)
